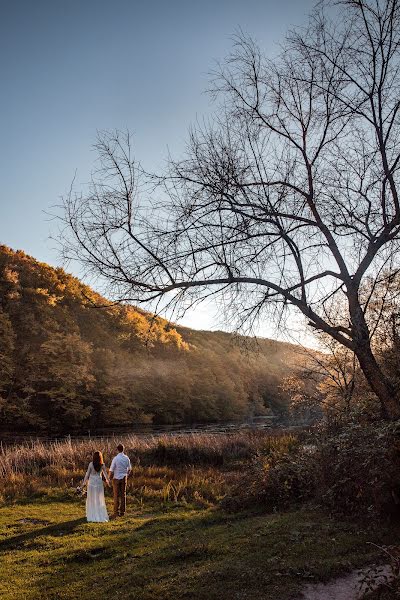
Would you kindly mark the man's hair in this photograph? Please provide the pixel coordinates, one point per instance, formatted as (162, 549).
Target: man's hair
(120, 447)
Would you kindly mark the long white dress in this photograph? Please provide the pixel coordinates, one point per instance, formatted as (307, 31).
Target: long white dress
(96, 510)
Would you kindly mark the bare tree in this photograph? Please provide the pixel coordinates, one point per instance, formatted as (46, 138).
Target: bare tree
(288, 197)
(326, 384)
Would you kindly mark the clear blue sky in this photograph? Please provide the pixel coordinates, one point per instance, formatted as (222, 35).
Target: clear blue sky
(71, 68)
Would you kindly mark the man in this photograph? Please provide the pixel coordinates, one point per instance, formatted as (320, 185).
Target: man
(119, 472)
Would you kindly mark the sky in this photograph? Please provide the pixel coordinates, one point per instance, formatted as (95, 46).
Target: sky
(70, 69)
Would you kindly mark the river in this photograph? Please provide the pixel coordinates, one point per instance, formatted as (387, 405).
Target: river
(142, 430)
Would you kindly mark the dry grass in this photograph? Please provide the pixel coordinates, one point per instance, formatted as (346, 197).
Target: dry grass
(203, 448)
(190, 467)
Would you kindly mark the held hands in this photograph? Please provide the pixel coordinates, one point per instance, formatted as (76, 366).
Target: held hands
(80, 489)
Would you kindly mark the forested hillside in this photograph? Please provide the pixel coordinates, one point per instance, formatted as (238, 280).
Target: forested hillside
(66, 363)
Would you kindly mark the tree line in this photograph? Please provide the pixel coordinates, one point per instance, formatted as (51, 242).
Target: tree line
(71, 360)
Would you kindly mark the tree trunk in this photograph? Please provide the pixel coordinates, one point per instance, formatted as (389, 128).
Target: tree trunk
(378, 382)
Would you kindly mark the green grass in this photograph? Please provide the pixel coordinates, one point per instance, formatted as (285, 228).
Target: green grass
(172, 552)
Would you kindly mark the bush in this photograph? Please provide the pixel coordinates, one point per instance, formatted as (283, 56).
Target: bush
(281, 475)
(353, 471)
(359, 469)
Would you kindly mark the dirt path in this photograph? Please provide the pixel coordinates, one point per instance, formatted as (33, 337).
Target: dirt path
(349, 587)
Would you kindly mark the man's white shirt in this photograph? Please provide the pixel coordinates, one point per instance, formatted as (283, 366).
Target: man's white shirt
(120, 465)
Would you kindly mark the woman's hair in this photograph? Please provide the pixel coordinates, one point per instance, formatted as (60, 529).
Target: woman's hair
(98, 460)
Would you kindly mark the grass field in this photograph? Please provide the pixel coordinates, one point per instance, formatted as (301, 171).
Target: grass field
(176, 541)
(172, 551)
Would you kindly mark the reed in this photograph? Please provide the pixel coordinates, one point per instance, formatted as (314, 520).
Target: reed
(189, 467)
(187, 449)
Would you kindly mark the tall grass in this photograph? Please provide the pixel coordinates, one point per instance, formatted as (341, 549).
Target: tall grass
(191, 467)
(354, 470)
(188, 449)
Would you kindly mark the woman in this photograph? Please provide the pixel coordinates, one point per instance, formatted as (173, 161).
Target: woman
(96, 510)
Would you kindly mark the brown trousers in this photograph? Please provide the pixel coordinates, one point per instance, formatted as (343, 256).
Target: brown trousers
(119, 489)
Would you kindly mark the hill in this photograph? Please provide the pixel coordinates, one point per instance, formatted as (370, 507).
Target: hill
(69, 359)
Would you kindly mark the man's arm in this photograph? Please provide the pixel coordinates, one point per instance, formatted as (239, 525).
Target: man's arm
(112, 468)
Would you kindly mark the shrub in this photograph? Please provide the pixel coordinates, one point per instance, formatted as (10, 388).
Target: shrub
(359, 469)
(281, 475)
(354, 470)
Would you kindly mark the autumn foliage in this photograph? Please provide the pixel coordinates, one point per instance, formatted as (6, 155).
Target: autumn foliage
(71, 360)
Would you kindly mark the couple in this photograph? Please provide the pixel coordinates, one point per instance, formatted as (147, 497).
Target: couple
(120, 469)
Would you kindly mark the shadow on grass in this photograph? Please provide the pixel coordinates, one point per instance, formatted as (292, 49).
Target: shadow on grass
(57, 528)
(186, 556)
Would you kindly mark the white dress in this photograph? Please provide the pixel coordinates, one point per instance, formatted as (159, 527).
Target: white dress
(96, 510)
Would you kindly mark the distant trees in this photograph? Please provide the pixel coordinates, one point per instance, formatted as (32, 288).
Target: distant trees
(63, 379)
(327, 385)
(7, 345)
(65, 364)
(290, 197)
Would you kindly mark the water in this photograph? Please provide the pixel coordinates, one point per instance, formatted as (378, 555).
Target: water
(7, 438)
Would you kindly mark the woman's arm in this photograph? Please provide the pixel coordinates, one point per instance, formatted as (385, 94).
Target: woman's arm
(105, 474)
(87, 474)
